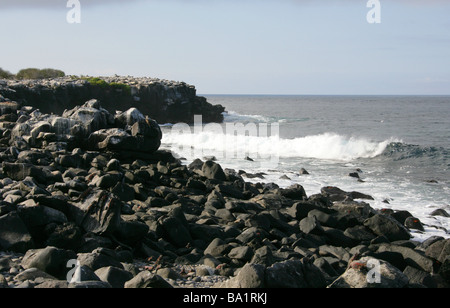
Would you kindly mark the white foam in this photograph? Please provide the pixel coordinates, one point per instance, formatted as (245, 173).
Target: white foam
(328, 146)
(232, 116)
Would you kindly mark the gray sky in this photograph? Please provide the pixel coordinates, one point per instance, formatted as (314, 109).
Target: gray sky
(239, 46)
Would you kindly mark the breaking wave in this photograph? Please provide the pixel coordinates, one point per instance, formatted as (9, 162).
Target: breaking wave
(327, 146)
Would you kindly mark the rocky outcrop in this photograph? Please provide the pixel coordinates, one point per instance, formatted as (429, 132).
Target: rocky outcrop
(88, 127)
(164, 101)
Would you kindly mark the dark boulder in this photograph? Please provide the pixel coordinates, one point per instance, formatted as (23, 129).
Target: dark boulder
(414, 223)
(147, 279)
(301, 210)
(65, 236)
(131, 232)
(440, 212)
(362, 274)
(439, 250)
(96, 211)
(311, 225)
(251, 276)
(116, 277)
(51, 260)
(444, 270)
(412, 257)
(14, 235)
(387, 226)
(19, 171)
(213, 171)
(420, 277)
(98, 258)
(287, 274)
(90, 116)
(174, 231)
(36, 217)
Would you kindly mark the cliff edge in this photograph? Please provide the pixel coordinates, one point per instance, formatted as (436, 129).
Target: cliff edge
(163, 100)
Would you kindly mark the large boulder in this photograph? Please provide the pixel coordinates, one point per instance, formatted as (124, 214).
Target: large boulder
(128, 118)
(51, 260)
(91, 127)
(19, 171)
(175, 231)
(116, 277)
(14, 235)
(287, 274)
(369, 272)
(251, 276)
(91, 116)
(96, 211)
(389, 227)
(147, 279)
(213, 171)
(145, 137)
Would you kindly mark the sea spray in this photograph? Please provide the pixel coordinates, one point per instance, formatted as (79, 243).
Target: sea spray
(225, 142)
(328, 146)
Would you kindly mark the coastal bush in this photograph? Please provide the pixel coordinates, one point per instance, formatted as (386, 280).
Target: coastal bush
(124, 88)
(51, 73)
(35, 73)
(95, 81)
(5, 74)
(98, 82)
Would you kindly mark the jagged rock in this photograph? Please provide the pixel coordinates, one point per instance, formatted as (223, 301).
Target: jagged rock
(387, 226)
(287, 274)
(129, 117)
(440, 212)
(243, 253)
(175, 231)
(50, 260)
(146, 279)
(64, 236)
(439, 250)
(19, 171)
(131, 232)
(251, 276)
(91, 117)
(33, 274)
(36, 217)
(96, 211)
(359, 275)
(166, 101)
(116, 277)
(414, 223)
(213, 171)
(295, 192)
(99, 258)
(411, 256)
(337, 194)
(7, 107)
(14, 235)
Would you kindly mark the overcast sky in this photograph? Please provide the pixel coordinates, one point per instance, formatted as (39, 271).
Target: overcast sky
(239, 46)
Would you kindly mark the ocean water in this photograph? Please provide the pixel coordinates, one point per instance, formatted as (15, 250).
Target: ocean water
(400, 146)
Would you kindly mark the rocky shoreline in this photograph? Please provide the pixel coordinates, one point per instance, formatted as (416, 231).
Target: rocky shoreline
(165, 100)
(89, 201)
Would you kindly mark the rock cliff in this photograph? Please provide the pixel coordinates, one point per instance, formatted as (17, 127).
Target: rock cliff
(164, 101)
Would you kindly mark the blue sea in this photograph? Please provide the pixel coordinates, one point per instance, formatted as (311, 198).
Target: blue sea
(398, 145)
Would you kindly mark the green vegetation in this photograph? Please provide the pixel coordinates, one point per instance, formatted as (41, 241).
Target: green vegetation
(98, 82)
(120, 87)
(35, 73)
(5, 74)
